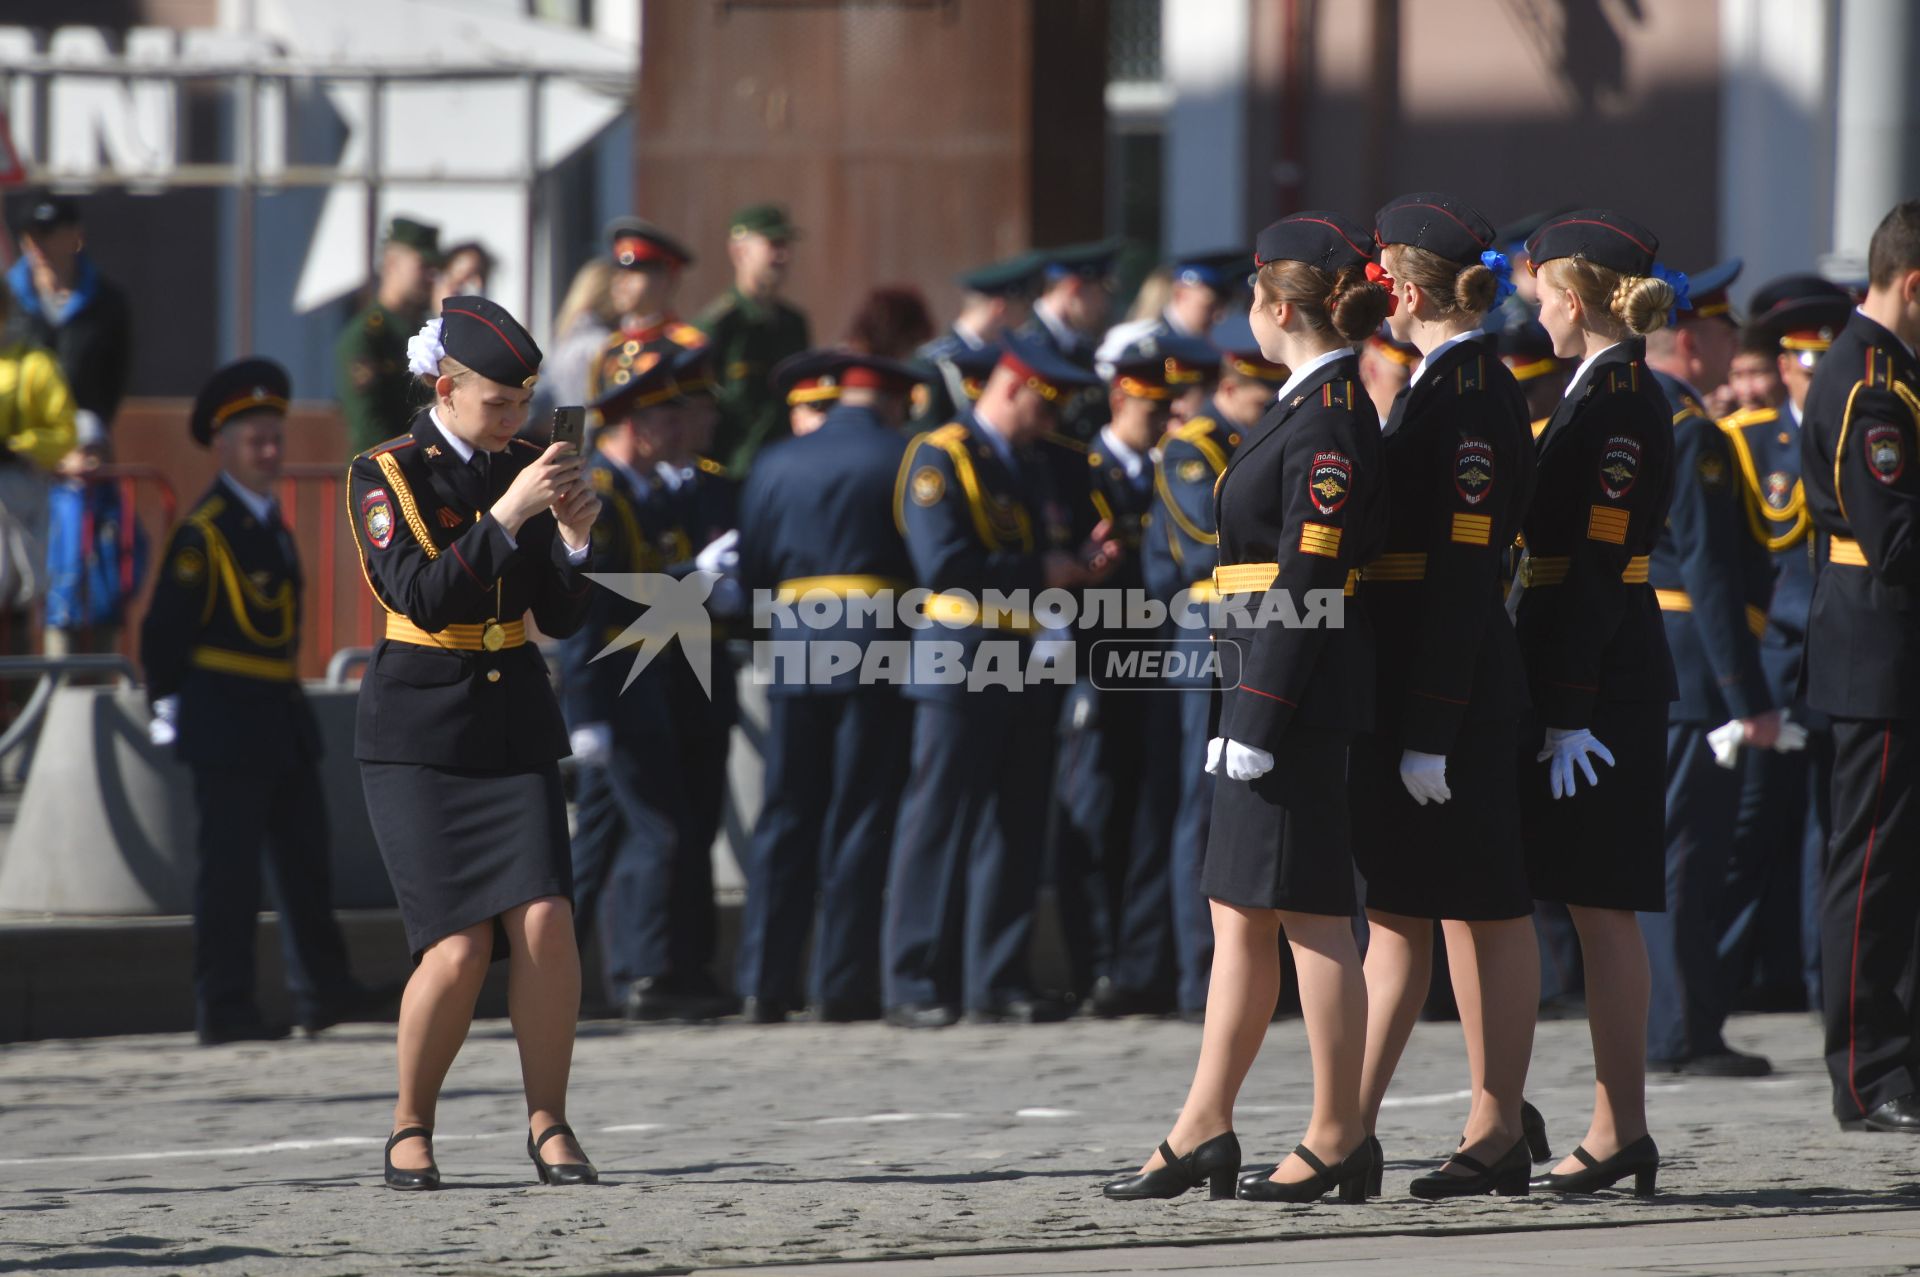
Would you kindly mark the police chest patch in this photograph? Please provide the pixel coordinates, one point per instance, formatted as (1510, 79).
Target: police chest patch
(928, 486)
(1330, 480)
(1886, 454)
(1191, 471)
(1473, 470)
(376, 515)
(1713, 471)
(1779, 489)
(189, 566)
(1619, 465)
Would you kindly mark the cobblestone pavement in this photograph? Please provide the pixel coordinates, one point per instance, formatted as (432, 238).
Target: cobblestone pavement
(729, 1145)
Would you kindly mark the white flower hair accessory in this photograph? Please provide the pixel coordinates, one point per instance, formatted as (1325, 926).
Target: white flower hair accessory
(425, 351)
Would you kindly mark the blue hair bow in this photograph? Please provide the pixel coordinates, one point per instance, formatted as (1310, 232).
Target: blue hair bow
(1502, 274)
(1677, 280)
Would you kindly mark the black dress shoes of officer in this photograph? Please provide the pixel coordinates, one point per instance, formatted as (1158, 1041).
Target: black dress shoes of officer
(1505, 1178)
(559, 1172)
(1021, 1008)
(1640, 1159)
(1214, 1163)
(673, 997)
(922, 1015)
(1900, 1117)
(756, 1010)
(1726, 1062)
(406, 1180)
(241, 1031)
(1352, 1176)
(845, 1011)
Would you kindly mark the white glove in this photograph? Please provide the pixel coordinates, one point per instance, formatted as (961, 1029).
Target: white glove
(1244, 762)
(1214, 749)
(163, 730)
(1567, 746)
(1425, 776)
(1792, 736)
(591, 743)
(1725, 741)
(720, 555)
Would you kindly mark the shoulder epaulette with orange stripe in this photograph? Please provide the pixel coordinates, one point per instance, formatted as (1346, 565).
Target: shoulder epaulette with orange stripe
(1879, 368)
(1624, 379)
(391, 445)
(1337, 394)
(1471, 376)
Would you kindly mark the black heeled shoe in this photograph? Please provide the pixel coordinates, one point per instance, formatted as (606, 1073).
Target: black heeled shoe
(1533, 1126)
(1507, 1177)
(1351, 1176)
(1213, 1163)
(1640, 1159)
(559, 1172)
(1374, 1176)
(411, 1180)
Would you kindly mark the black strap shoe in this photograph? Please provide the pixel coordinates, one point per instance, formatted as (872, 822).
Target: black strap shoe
(406, 1180)
(1640, 1159)
(559, 1172)
(1533, 1126)
(1351, 1176)
(1505, 1178)
(1213, 1163)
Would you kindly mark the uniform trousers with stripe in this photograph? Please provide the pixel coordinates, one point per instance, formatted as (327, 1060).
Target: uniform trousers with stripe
(1870, 919)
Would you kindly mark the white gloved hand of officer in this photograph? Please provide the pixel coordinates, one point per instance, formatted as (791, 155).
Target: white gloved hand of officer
(1568, 746)
(721, 554)
(163, 730)
(1244, 762)
(591, 743)
(1792, 737)
(1425, 776)
(1215, 748)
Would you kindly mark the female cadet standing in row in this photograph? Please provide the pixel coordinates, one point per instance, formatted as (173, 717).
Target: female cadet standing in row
(1596, 657)
(1433, 788)
(463, 530)
(1300, 506)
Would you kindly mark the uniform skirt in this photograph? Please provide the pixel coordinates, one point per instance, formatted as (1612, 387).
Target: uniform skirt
(1459, 859)
(1283, 841)
(463, 847)
(1604, 847)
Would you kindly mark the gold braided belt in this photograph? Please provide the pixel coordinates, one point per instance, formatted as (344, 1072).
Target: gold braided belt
(1252, 578)
(491, 637)
(1552, 570)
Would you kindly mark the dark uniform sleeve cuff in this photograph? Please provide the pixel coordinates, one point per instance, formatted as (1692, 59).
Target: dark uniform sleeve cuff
(1254, 717)
(1564, 705)
(1431, 724)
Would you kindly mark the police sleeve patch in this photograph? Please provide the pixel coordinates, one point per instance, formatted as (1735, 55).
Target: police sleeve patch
(1619, 465)
(1191, 471)
(1473, 470)
(1330, 481)
(928, 486)
(189, 566)
(1713, 471)
(376, 516)
(1886, 453)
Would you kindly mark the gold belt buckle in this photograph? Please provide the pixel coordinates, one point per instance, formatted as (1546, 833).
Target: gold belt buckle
(494, 636)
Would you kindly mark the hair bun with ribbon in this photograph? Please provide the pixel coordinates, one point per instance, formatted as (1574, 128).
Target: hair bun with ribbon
(1676, 280)
(1502, 274)
(425, 349)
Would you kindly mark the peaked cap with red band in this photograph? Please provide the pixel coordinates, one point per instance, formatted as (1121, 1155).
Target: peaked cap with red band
(483, 336)
(238, 390)
(637, 244)
(1332, 242)
(1438, 223)
(1599, 235)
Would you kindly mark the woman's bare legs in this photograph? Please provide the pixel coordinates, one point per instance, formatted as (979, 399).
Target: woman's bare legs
(1615, 957)
(436, 1010)
(543, 1001)
(1398, 969)
(1496, 984)
(1333, 1000)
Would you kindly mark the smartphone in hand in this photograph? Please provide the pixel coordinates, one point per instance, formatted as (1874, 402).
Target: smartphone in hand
(570, 426)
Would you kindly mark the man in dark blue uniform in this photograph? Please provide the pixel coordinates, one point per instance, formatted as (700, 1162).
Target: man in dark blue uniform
(1069, 318)
(632, 873)
(1712, 583)
(1770, 919)
(995, 299)
(974, 503)
(1862, 427)
(1179, 550)
(219, 645)
(809, 383)
(817, 531)
(1205, 288)
(647, 266)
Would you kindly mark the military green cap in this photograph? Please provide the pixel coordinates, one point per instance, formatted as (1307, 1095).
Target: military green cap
(763, 219)
(1012, 276)
(416, 235)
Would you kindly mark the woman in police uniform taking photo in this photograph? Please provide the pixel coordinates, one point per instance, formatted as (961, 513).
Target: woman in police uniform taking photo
(1301, 505)
(463, 532)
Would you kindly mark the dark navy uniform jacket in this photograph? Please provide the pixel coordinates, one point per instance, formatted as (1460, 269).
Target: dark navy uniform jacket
(434, 558)
(1127, 504)
(1460, 464)
(1085, 410)
(633, 533)
(1179, 548)
(1766, 453)
(972, 523)
(1863, 488)
(222, 633)
(1588, 625)
(933, 401)
(817, 514)
(1305, 492)
(1711, 579)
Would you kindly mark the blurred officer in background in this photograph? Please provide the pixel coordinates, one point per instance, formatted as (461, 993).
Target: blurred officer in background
(809, 382)
(1204, 287)
(1069, 318)
(752, 328)
(370, 359)
(995, 299)
(647, 265)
